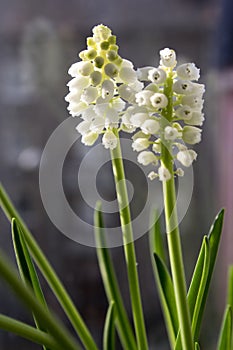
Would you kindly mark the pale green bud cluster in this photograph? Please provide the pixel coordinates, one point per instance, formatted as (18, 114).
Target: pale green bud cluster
(99, 80)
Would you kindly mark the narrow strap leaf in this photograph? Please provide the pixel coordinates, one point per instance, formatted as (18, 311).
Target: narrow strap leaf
(111, 284)
(156, 240)
(197, 346)
(230, 295)
(28, 332)
(49, 274)
(157, 247)
(224, 342)
(201, 290)
(197, 287)
(25, 263)
(167, 297)
(230, 287)
(25, 293)
(109, 328)
(26, 268)
(214, 240)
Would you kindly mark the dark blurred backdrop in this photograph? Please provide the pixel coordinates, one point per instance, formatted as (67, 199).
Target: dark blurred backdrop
(38, 42)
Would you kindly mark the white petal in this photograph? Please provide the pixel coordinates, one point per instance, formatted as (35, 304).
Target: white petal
(186, 157)
(150, 126)
(138, 119)
(83, 127)
(146, 158)
(164, 174)
(89, 95)
(107, 89)
(159, 100)
(79, 83)
(157, 75)
(188, 71)
(167, 57)
(97, 125)
(128, 75)
(142, 73)
(89, 139)
(191, 135)
(109, 140)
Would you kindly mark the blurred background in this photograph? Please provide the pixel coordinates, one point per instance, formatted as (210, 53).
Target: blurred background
(39, 40)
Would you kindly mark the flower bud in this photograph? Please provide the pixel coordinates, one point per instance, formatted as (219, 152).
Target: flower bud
(89, 95)
(184, 112)
(109, 140)
(191, 135)
(188, 71)
(186, 157)
(183, 87)
(159, 100)
(143, 97)
(170, 133)
(168, 58)
(140, 144)
(147, 157)
(84, 68)
(96, 78)
(157, 75)
(89, 138)
(150, 126)
(128, 75)
(138, 119)
(111, 70)
(164, 173)
(108, 90)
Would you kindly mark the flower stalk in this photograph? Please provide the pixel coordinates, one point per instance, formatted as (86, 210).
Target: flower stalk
(172, 228)
(129, 248)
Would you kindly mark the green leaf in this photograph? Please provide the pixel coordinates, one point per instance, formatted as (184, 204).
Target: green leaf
(201, 289)
(197, 346)
(214, 240)
(205, 263)
(230, 294)
(111, 284)
(224, 342)
(167, 298)
(161, 273)
(26, 268)
(49, 273)
(28, 332)
(25, 293)
(156, 239)
(230, 287)
(109, 328)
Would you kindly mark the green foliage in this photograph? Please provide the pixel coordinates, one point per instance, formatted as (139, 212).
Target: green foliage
(109, 328)
(225, 337)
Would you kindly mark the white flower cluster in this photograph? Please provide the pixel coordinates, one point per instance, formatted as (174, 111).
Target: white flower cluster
(99, 81)
(167, 117)
(162, 104)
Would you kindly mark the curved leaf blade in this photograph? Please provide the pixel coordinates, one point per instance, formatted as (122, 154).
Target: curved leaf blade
(109, 328)
(167, 297)
(224, 342)
(26, 268)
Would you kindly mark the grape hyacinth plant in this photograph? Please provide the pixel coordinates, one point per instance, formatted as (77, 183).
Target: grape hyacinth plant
(162, 108)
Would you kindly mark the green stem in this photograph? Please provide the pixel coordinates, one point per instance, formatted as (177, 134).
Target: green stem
(28, 332)
(172, 228)
(49, 274)
(129, 249)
